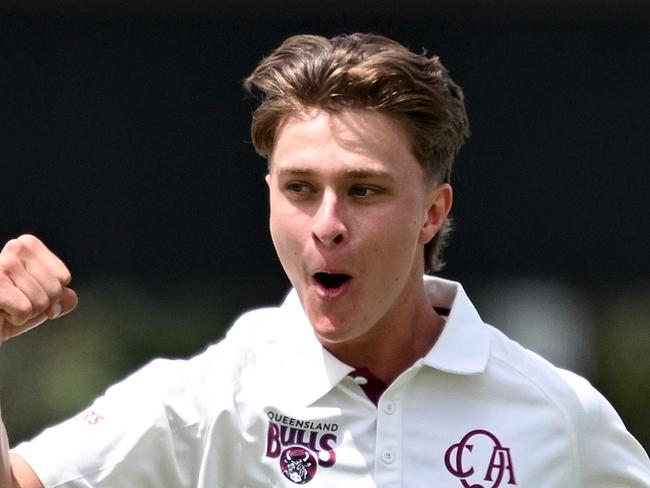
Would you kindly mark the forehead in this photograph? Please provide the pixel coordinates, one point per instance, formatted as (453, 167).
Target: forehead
(349, 137)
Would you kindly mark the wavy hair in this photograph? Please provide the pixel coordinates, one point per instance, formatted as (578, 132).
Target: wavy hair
(366, 71)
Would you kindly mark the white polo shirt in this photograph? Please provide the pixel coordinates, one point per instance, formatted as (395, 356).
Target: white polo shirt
(268, 406)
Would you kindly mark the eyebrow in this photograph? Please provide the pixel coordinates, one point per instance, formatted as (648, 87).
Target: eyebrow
(349, 173)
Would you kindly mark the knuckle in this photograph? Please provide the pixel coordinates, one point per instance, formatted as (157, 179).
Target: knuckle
(39, 304)
(65, 277)
(28, 241)
(9, 264)
(10, 247)
(54, 290)
(23, 313)
(19, 246)
(22, 246)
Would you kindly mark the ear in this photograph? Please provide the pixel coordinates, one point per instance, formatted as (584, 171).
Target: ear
(439, 201)
(267, 178)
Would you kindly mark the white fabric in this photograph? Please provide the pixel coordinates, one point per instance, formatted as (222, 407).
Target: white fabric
(478, 410)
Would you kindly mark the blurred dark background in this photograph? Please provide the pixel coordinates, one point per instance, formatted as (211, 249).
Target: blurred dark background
(124, 145)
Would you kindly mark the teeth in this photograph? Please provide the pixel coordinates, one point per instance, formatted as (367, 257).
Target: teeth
(331, 280)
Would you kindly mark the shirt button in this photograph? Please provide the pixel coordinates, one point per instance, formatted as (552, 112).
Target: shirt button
(388, 456)
(389, 407)
(361, 380)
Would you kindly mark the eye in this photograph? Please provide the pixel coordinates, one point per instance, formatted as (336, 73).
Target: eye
(298, 188)
(362, 191)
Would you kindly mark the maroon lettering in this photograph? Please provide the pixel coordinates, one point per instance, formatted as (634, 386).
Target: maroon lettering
(284, 439)
(273, 446)
(504, 463)
(500, 461)
(327, 443)
(310, 443)
(287, 435)
(454, 459)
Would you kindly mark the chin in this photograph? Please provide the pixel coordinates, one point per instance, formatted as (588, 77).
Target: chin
(330, 332)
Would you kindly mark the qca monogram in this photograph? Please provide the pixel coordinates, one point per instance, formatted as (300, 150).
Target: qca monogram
(459, 457)
(300, 445)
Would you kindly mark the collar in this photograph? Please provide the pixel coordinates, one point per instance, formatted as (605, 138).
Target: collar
(320, 371)
(462, 348)
(464, 344)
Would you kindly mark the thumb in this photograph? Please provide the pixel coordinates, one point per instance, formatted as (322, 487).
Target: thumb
(9, 330)
(64, 305)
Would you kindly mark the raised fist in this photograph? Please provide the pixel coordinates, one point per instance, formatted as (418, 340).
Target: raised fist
(33, 286)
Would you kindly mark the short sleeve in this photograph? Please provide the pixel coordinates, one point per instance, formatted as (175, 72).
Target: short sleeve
(609, 455)
(146, 431)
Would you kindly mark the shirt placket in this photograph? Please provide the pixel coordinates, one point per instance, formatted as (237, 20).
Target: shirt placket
(389, 446)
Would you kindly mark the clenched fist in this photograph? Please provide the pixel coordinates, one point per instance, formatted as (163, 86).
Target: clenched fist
(33, 286)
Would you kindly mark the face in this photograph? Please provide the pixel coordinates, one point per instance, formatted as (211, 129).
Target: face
(350, 213)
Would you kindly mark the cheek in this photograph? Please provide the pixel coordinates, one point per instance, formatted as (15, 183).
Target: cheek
(284, 250)
(398, 226)
(287, 233)
(395, 239)
(278, 218)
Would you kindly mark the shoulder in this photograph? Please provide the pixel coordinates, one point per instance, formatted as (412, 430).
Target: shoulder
(571, 393)
(256, 325)
(604, 449)
(272, 328)
(206, 376)
(560, 386)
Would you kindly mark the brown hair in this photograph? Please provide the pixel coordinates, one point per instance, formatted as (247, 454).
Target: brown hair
(372, 72)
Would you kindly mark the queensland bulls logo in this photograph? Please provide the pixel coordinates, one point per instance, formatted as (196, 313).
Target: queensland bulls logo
(300, 446)
(480, 461)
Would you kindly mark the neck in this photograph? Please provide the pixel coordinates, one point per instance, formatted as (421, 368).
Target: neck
(395, 343)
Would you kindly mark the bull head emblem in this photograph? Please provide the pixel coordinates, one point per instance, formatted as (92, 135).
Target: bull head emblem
(295, 464)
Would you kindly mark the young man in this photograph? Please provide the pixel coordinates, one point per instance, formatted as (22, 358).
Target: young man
(369, 374)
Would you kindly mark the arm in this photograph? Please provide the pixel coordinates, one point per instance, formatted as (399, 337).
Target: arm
(5, 463)
(23, 475)
(33, 289)
(14, 472)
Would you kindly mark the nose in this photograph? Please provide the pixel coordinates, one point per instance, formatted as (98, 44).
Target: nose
(329, 227)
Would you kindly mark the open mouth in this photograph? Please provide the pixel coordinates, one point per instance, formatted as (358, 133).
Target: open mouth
(331, 281)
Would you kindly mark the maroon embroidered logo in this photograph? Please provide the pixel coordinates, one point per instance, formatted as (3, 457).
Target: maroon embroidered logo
(467, 459)
(301, 446)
